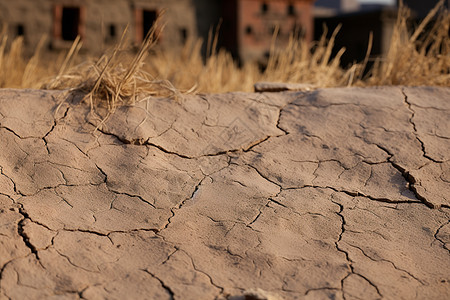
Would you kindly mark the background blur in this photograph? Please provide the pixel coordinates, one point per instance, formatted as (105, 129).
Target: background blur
(117, 49)
(244, 27)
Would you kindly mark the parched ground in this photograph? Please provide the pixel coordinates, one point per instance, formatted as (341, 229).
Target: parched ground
(331, 194)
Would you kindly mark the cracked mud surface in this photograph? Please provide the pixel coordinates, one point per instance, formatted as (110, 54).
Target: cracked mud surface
(332, 194)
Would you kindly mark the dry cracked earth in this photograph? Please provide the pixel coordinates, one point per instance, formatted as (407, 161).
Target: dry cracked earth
(330, 194)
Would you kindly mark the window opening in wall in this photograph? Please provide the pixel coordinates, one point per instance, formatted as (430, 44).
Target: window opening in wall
(264, 7)
(112, 31)
(70, 23)
(20, 30)
(148, 19)
(291, 10)
(183, 35)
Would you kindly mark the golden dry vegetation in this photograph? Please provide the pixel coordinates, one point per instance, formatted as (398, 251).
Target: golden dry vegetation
(120, 76)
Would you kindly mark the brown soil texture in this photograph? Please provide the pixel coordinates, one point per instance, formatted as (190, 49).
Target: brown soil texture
(331, 194)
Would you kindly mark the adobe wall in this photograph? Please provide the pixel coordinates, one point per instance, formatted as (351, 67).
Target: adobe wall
(258, 20)
(36, 19)
(33, 16)
(180, 15)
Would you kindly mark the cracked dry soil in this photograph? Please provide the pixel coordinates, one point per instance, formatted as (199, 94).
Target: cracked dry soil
(331, 194)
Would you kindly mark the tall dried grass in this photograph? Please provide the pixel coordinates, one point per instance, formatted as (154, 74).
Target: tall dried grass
(220, 73)
(298, 63)
(20, 71)
(188, 70)
(419, 57)
(415, 57)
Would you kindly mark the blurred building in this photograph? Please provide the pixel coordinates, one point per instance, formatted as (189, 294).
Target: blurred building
(355, 31)
(99, 23)
(378, 19)
(250, 25)
(326, 8)
(357, 20)
(247, 25)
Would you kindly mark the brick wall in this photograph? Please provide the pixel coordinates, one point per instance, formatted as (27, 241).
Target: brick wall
(259, 20)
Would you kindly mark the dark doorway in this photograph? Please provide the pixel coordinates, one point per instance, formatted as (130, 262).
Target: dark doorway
(291, 10)
(183, 35)
(148, 19)
(70, 23)
(20, 30)
(112, 31)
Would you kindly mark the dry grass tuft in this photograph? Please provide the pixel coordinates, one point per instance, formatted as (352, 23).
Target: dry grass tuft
(116, 78)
